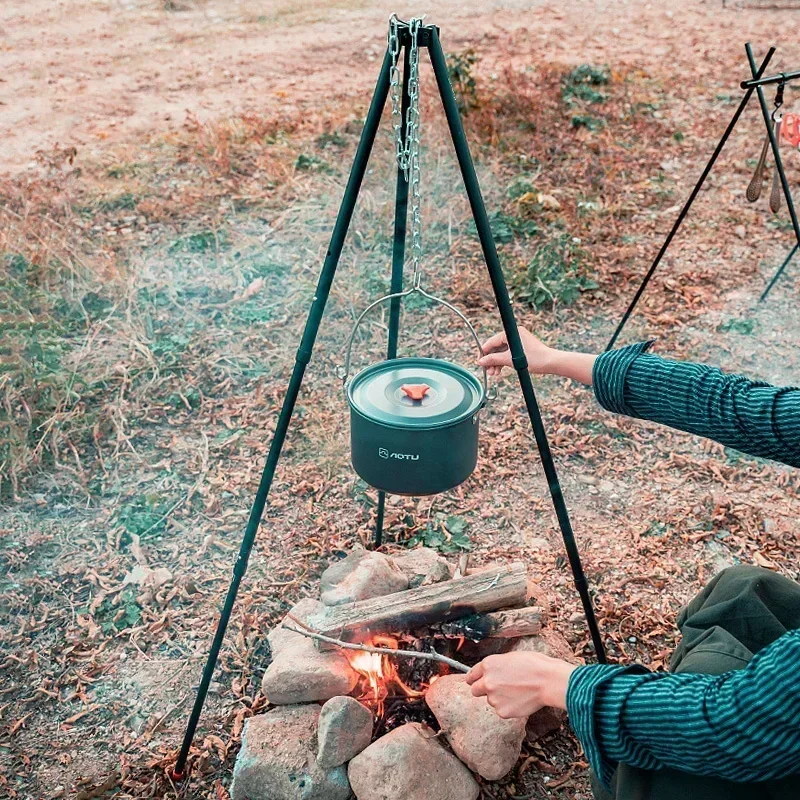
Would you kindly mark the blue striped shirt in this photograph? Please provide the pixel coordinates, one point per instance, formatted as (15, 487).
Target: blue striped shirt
(744, 725)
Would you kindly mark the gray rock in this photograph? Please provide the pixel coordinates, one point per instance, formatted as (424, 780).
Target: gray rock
(422, 565)
(300, 672)
(545, 720)
(486, 743)
(345, 729)
(409, 763)
(359, 576)
(277, 760)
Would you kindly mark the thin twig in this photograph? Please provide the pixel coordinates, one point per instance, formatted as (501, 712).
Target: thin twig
(426, 656)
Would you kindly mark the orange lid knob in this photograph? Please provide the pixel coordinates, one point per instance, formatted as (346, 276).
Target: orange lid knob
(416, 391)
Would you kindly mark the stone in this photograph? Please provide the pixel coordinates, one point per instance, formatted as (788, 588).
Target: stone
(409, 763)
(278, 761)
(300, 672)
(359, 576)
(422, 565)
(719, 555)
(486, 743)
(345, 729)
(544, 721)
(548, 642)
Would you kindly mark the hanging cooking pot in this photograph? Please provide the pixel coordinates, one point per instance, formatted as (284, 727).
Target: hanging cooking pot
(414, 421)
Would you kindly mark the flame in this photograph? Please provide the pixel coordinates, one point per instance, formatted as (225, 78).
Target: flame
(380, 672)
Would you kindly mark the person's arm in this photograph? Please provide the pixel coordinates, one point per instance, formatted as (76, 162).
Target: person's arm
(750, 416)
(742, 726)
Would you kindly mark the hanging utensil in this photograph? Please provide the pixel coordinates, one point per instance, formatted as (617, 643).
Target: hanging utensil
(757, 181)
(777, 190)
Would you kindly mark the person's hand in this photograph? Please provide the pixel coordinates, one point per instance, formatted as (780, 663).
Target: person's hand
(519, 684)
(539, 355)
(542, 360)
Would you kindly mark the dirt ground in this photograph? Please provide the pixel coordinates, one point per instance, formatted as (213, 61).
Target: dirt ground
(173, 170)
(86, 73)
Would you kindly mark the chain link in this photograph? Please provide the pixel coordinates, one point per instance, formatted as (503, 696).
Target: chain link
(407, 148)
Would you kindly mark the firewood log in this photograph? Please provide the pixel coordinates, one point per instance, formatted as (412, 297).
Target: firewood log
(490, 590)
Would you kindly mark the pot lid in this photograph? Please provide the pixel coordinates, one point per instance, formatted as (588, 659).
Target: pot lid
(415, 393)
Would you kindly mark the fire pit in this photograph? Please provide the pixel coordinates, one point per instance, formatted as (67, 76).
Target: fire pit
(391, 726)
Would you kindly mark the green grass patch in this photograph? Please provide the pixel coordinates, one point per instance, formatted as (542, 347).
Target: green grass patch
(505, 227)
(445, 534)
(312, 163)
(580, 85)
(589, 122)
(557, 274)
(742, 326)
(200, 242)
(121, 202)
(144, 515)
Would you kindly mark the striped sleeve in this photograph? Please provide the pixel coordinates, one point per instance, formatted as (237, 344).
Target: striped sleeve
(751, 416)
(743, 726)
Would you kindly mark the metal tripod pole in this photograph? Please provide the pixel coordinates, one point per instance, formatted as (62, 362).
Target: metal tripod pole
(792, 254)
(688, 204)
(773, 140)
(512, 333)
(303, 357)
(398, 260)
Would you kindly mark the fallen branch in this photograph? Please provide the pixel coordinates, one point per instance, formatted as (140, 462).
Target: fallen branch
(304, 630)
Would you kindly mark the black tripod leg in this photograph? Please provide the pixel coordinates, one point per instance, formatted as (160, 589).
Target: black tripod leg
(512, 333)
(398, 260)
(776, 154)
(688, 204)
(303, 357)
(778, 274)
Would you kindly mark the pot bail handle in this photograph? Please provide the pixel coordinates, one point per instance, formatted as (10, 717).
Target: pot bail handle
(488, 394)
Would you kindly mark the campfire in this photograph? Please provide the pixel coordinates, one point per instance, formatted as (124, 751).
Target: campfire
(381, 677)
(384, 652)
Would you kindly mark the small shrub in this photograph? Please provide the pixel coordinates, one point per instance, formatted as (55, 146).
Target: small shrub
(332, 139)
(447, 535)
(505, 227)
(589, 122)
(459, 69)
(310, 163)
(555, 275)
(579, 85)
(520, 186)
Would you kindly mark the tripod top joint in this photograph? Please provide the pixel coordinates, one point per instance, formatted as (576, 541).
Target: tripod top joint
(424, 37)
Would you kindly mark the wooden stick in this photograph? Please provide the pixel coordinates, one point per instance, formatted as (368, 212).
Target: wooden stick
(426, 656)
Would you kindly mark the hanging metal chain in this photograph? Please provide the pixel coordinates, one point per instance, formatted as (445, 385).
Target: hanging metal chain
(407, 148)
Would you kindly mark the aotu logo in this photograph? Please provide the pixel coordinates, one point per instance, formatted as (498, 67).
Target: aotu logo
(384, 453)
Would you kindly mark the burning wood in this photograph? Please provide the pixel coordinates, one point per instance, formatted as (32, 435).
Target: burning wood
(381, 674)
(305, 630)
(509, 624)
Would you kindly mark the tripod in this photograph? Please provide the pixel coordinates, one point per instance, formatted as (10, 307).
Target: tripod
(427, 37)
(749, 86)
